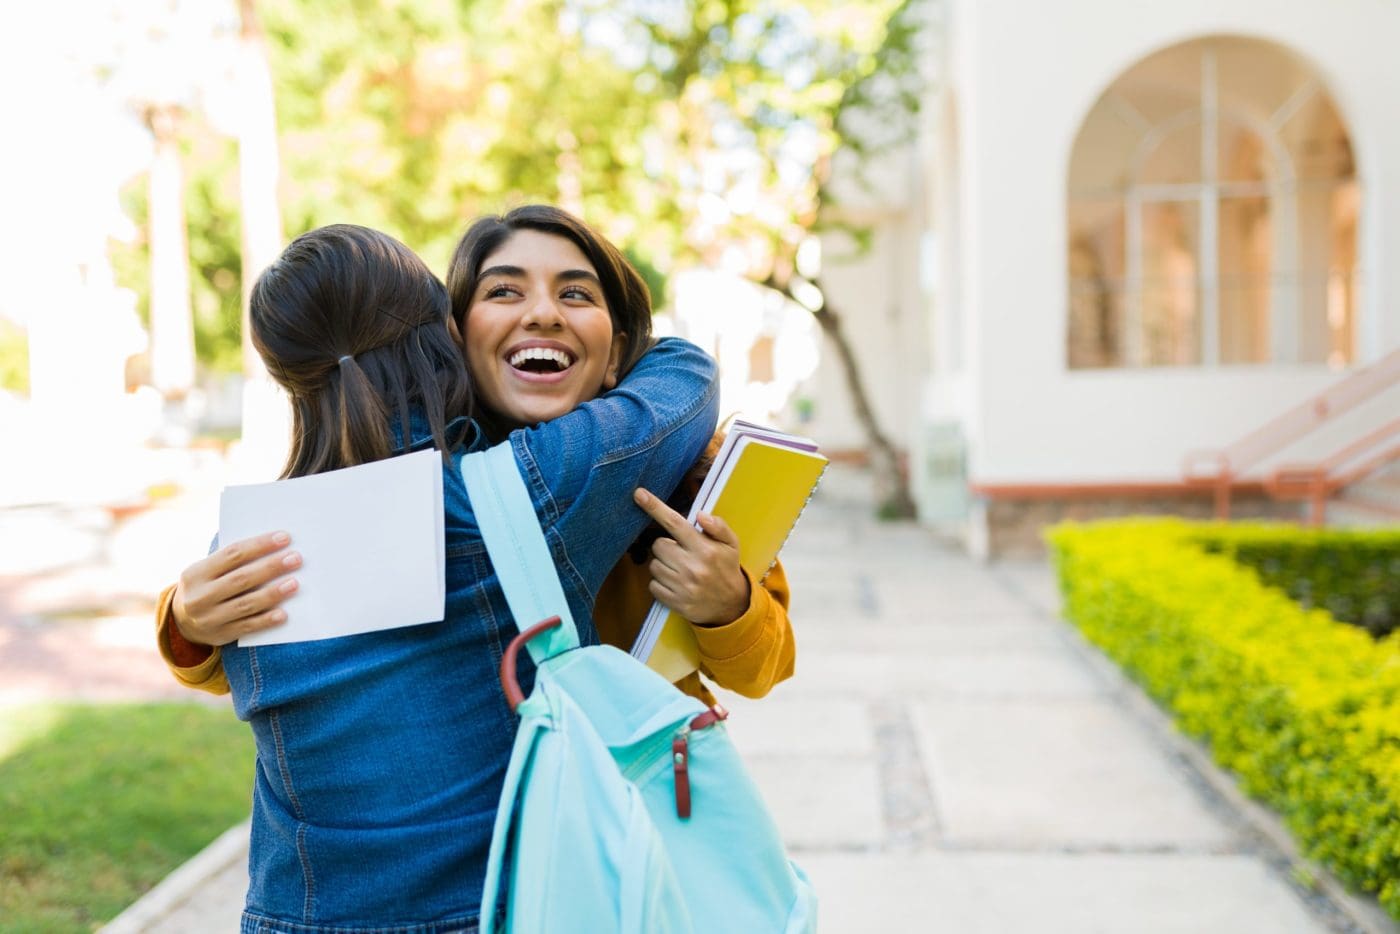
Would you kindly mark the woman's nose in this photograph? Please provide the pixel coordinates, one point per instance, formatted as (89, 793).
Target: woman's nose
(543, 312)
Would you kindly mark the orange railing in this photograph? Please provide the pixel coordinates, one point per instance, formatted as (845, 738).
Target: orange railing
(1221, 470)
(1317, 482)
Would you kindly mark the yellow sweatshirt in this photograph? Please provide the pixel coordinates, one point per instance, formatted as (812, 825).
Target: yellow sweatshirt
(747, 656)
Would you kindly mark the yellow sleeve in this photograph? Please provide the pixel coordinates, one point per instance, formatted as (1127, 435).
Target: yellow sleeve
(208, 675)
(757, 650)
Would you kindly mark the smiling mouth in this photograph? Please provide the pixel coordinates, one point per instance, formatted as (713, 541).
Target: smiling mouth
(541, 360)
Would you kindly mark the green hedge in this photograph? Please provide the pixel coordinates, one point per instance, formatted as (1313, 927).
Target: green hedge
(1303, 708)
(1355, 576)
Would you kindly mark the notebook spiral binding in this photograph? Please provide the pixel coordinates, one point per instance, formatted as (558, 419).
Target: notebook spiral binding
(805, 503)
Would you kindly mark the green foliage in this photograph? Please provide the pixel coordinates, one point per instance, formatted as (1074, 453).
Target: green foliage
(417, 118)
(1303, 708)
(685, 131)
(1355, 576)
(100, 803)
(14, 358)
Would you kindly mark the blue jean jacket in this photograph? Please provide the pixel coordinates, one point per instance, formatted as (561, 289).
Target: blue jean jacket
(380, 756)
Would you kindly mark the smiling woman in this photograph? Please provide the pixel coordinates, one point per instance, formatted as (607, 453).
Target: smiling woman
(540, 339)
(552, 314)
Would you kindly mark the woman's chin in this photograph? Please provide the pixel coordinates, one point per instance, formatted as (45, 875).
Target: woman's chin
(537, 410)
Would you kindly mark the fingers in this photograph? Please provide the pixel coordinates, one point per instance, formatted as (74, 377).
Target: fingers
(265, 620)
(236, 590)
(246, 577)
(671, 554)
(222, 622)
(241, 552)
(718, 529)
(672, 522)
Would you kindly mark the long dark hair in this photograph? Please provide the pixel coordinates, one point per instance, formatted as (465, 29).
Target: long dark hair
(629, 300)
(355, 327)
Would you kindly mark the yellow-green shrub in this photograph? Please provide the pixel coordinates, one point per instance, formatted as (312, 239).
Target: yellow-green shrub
(1354, 575)
(1303, 708)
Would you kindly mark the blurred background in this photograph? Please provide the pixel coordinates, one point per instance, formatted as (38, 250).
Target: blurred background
(1010, 261)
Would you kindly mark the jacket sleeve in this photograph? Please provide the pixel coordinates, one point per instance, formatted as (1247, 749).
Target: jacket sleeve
(181, 657)
(646, 432)
(757, 650)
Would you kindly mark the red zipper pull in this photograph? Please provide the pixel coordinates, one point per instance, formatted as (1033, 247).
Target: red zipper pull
(680, 753)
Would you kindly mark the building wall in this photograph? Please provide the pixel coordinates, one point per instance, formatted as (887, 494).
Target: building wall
(1021, 77)
(877, 294)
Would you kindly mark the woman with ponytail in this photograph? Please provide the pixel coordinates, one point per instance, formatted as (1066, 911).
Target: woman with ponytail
(380, 756)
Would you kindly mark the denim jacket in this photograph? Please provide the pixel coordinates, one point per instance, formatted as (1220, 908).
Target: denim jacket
(380, 756)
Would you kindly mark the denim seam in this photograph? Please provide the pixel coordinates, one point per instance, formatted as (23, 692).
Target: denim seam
(681, 421)
(285, 773)
(308, 905)
(257, 678)
(539, 490)
(566, 563)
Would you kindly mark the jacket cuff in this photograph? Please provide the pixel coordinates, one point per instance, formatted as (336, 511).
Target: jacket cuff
(734, 639)
(189, 662)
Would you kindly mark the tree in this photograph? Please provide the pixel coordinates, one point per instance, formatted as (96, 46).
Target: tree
(690, 130)
(768, 96)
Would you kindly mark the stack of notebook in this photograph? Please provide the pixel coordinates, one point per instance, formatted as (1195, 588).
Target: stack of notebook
(760, 483)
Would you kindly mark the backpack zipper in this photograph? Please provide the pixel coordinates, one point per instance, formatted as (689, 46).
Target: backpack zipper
(680, 755)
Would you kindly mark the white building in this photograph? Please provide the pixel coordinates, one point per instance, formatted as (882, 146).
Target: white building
(1147, 229)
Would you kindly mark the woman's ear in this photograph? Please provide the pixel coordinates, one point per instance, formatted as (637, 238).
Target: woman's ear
(619, 343)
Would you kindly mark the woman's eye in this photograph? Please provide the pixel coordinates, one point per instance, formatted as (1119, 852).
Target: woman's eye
(577, 294)
(501, 290)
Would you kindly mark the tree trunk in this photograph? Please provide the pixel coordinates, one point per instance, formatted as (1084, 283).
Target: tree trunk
(891, 481)
(266, 425)
(172, 322)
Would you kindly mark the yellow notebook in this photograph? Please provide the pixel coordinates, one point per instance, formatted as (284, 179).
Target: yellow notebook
(760, 483)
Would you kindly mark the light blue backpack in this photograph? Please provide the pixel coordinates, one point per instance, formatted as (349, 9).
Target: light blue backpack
(626, 807)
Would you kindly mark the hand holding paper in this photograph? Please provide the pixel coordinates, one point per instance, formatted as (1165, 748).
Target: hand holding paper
(371, 541)
(237, 590)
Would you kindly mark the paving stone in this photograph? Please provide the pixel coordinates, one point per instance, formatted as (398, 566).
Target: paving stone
(908, 637)
(782, 726)
(1045, 674)
(1049, 893)
(1024, 774)
(1048, 674)
(821, 802)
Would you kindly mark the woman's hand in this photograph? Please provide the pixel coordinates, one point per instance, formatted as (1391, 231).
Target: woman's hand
(696, 572)
(236, 590)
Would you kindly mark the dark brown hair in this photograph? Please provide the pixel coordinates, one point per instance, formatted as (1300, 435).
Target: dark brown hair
(624, 290)
(355, 327)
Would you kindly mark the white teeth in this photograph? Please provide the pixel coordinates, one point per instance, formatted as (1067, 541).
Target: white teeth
(541, 353)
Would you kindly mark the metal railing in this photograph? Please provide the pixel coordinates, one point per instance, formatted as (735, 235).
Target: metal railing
(1317, 482)
(1220, 470)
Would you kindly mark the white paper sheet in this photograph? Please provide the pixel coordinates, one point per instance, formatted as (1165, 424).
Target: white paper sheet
(371, 541)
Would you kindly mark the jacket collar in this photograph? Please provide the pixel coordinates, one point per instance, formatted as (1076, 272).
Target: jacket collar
(459, 430)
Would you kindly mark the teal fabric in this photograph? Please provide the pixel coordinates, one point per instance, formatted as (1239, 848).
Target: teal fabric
(587, 830)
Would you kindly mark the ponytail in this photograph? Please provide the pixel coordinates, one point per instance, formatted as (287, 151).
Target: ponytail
(363, 421)
(365, 293)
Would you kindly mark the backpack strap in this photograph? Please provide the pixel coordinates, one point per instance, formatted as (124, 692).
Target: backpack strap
(518, 550)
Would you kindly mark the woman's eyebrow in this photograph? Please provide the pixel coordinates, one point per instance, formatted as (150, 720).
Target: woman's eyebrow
(578, 275)
(512, 271)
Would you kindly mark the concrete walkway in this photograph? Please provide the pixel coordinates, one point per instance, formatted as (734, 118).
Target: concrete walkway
(952, 758)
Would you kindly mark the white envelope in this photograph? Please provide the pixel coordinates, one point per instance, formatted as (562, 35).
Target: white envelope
(371, 540)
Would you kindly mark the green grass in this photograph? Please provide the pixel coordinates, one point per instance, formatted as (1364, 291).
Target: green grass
(99, 803)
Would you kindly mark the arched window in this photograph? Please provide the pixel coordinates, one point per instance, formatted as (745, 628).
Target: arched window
(1212, 213)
